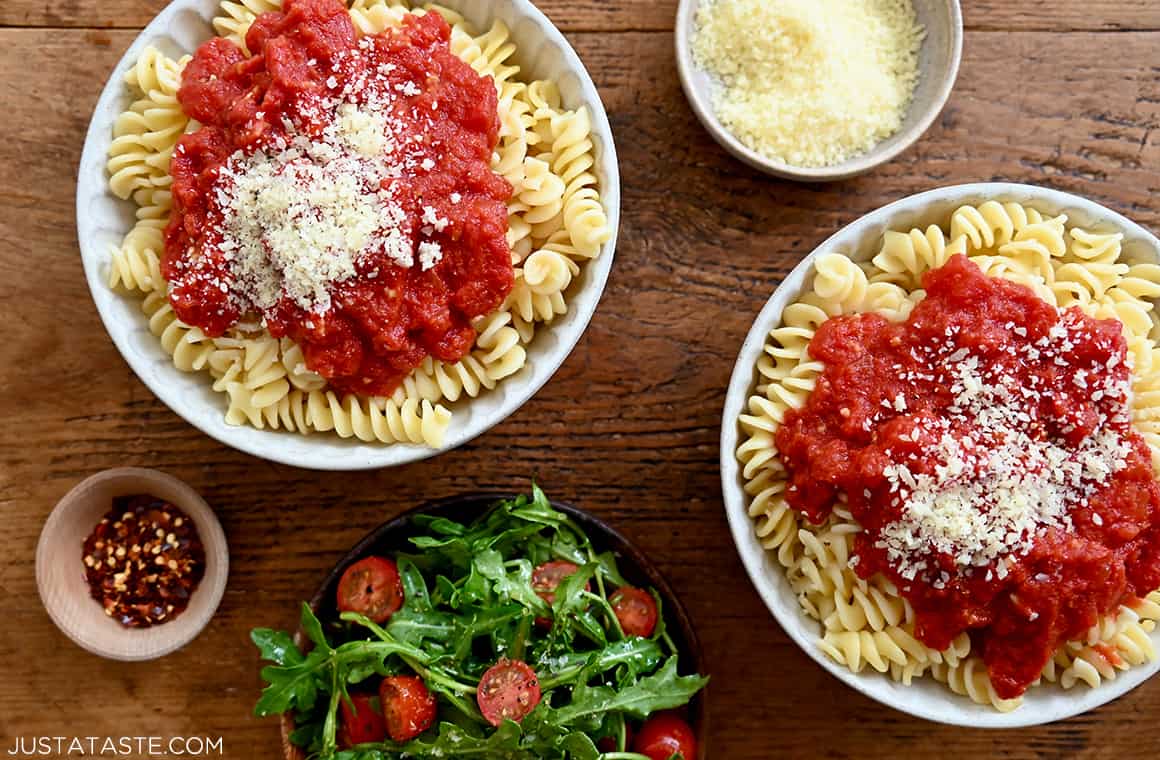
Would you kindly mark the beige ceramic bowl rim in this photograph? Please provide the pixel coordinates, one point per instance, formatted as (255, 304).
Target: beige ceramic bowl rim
(925, 698)
(876, 156)
(172, 635)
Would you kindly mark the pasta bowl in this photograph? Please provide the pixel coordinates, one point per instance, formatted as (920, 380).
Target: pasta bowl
(924, 697)
(103, 220)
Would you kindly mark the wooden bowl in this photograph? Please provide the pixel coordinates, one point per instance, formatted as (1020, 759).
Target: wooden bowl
(938, 65)
(60, 570)
(392, 537)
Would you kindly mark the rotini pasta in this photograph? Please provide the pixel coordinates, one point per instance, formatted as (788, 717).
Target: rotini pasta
(189, 346)
(556, 223)
(865, 623)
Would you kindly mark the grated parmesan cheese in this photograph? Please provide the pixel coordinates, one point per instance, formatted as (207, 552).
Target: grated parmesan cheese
(430, 254)
(296, 220)
(301, 211)
(998, 484)
(810, 82)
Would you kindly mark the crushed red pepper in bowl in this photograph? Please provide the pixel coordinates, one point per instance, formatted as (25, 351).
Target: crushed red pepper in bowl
(143, 561)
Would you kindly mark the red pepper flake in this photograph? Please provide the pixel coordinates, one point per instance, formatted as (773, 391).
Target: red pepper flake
(143, 561)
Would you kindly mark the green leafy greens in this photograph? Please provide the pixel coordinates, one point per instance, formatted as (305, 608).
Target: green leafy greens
(469, 602)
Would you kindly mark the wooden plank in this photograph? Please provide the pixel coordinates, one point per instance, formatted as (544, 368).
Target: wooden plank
(628, 428)
(639, 15)
(569, 15)
(1055, 17)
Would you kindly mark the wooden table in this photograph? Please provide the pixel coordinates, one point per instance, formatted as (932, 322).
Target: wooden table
(1061, 93)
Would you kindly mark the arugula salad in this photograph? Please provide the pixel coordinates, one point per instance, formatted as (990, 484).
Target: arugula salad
(506, 637)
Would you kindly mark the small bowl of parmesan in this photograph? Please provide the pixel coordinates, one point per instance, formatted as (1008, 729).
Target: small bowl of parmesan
(818, 90)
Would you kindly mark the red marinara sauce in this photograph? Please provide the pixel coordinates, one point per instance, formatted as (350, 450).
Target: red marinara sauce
(985, 447)
(381, 320)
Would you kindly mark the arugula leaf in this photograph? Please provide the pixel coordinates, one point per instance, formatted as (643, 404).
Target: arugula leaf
(579, 746)
(475, 589)
(465, 707)
(361, 753)
(549, 740)
(483, 621)
(609, 568)
(540, 510)
(276, 646)
(640, 655)
(297, 685)
(489, 565)
(313, 628)
(569, 594)
(292, 686)
(441, 525)
(587, 625)
(505, 541)
(361, 671)
(445, 592)
(454, 741)
(450, 551)
(661, 691)
(416, 627)
(414, 587)
(660, 631)
(307, 732)
(516, 585)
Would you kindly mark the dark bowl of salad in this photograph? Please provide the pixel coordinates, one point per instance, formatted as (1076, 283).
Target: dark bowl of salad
(490, 626)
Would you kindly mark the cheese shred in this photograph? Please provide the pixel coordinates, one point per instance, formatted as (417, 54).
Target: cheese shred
(810, 82)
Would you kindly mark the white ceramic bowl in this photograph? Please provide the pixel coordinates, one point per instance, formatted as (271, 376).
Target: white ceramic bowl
(938, 63)
(925, 698)
(103, 219)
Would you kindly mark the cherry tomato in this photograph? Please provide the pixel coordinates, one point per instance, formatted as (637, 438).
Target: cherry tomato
(636, 610)
(408, 707)
(362, 721)
(509, 690)
(664, 735)
(371, 587)
(547, 578)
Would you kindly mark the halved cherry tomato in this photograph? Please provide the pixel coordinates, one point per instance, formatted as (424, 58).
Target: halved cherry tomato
(636, 610)
(664, 735)
(547, 578)
(362, 721)
(509, 690)
(408, 707)
(371, 587)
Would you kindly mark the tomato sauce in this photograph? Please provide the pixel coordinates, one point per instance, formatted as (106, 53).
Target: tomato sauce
(382, 322)
(865, 416)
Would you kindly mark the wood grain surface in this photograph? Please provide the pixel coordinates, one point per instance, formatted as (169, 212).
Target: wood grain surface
(1061, 93)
